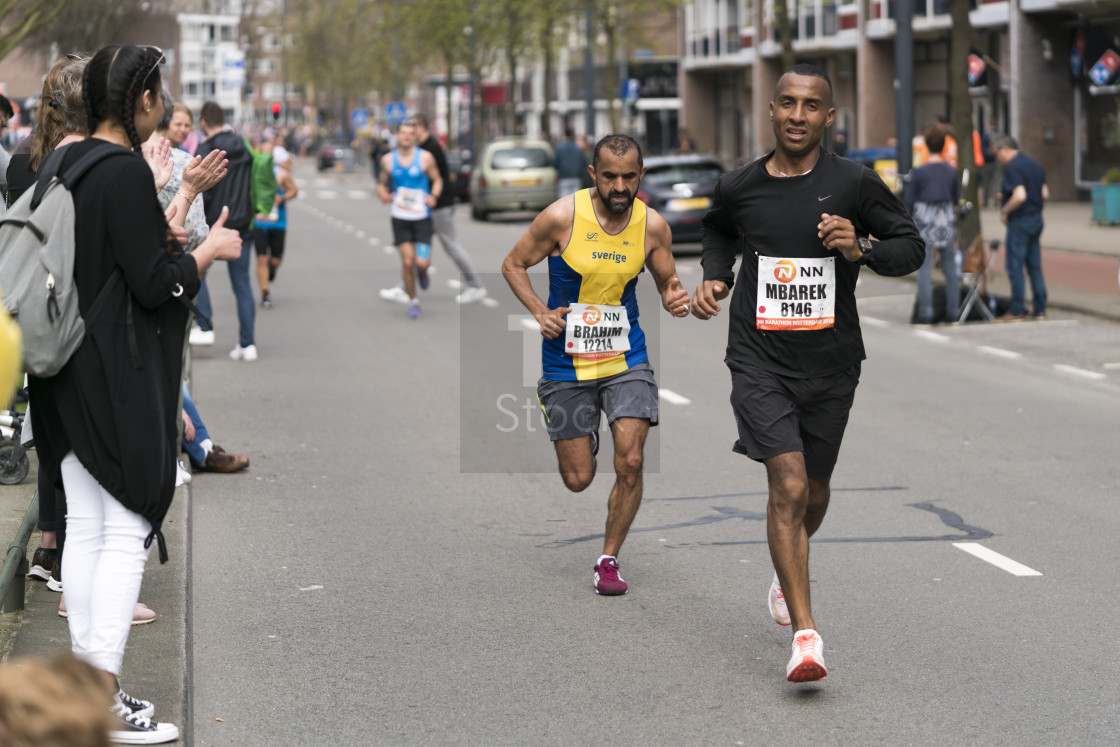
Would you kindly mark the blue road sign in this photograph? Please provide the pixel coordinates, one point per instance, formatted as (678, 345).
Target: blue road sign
(632, 90)
(359, 119)
(395, 112)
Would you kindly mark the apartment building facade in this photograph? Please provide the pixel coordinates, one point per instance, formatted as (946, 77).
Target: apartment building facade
(1037, 82)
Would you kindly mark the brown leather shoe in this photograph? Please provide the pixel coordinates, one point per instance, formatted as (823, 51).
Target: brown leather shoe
(220, 460)
(1009, 317)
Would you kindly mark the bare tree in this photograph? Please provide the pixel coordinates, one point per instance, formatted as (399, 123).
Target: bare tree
(625, 22)
(22, 22)
(89, 25)
(784, 26)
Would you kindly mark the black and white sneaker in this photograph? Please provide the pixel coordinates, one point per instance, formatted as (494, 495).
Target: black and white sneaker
(132, 728)
(42, 564)
(139, 707)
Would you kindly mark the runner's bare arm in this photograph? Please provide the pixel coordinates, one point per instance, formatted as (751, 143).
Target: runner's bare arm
(659, 260)
(432, 171)
(544, 236)
(383, 190)
(291, 191)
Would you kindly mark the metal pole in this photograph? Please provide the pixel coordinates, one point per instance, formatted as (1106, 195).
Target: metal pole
(284, 58)
(469, 31)
(589, 79)
(904, 84)
(12, 575)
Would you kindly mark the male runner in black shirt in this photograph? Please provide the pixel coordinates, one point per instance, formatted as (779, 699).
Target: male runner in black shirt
(803, 218)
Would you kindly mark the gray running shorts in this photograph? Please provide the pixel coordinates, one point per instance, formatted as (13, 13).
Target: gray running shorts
(572, 408)
(779, 414)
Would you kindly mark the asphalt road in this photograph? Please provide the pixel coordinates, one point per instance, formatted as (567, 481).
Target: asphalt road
(402, 565)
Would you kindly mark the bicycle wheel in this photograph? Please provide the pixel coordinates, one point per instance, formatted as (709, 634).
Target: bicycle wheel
(12, 474)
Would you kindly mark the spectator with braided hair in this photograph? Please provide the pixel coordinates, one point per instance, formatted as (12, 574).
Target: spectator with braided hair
(107, 422)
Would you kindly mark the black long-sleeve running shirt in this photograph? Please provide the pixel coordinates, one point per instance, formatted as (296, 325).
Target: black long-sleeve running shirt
(757, 214)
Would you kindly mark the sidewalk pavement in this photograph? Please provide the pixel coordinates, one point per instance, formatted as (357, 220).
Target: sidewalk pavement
(1080, 259)
(156, 660)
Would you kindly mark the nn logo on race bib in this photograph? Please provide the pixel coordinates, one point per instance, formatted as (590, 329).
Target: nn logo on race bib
(786, 271)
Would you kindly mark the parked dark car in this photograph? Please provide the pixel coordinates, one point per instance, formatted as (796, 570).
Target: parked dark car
(330, 154)
(680, 188)
(460, 174)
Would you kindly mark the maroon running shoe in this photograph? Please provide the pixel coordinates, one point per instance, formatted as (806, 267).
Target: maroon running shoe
(607, 580)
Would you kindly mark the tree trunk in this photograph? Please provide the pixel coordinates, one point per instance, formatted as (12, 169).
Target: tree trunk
(547, 42)
(613, 78)
(960, 43)
(452, 130)
(785, 32)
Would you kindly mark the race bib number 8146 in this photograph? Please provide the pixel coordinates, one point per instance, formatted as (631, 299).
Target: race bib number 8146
(796, 293)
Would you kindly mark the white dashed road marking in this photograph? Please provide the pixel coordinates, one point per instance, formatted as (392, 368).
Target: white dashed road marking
(999, 561)
(673, 398)
(490, 303)
(357, 194)
(934, 336)
(1000, 352)
(327, 194)
(530, 324)
(1075, 371)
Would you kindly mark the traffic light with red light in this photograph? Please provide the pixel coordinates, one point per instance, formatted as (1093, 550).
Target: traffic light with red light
(275, 110)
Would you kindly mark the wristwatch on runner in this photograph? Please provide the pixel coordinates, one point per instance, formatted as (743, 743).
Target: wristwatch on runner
(865, 247)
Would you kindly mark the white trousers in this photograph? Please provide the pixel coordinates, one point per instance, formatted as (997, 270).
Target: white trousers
(103, 566)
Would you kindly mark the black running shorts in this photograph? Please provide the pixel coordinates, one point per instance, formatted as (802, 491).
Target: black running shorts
(779, 415)
(412, 231)
(269, 242)
(572, 408)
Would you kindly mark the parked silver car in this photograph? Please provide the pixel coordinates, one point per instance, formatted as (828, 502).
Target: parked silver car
(514, 174)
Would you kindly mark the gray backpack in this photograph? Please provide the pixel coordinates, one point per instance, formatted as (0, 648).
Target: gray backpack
(37, 266)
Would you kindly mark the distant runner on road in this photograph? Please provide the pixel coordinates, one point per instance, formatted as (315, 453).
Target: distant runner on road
(594, 353)
(410, 180)
(803, 219)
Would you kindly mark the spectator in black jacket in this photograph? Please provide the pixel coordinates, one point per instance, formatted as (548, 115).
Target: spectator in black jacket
(232, 192)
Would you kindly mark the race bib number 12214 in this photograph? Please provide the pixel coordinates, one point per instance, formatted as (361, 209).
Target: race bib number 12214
(596, 331)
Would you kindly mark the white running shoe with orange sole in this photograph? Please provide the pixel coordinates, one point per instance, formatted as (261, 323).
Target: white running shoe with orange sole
(777, 602)
(807, 662)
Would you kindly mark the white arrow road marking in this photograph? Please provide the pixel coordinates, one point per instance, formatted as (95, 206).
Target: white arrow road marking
(999, 561)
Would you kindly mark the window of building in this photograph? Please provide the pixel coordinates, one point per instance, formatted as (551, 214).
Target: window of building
(191, 89)
(209, 89)
(227, 33)
(265, 66)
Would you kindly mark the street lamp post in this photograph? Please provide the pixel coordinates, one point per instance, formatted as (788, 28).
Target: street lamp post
(469, 31)
(589, 79)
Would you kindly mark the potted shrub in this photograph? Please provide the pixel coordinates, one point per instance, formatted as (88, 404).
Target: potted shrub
(1106, 197)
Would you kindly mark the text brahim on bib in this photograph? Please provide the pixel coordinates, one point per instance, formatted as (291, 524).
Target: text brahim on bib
(595, 331)
(796, 294)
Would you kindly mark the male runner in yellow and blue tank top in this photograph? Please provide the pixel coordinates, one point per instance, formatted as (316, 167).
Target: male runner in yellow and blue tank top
(594, 353)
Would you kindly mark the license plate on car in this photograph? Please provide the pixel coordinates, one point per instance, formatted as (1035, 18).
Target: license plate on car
(523, 182)
(681, 204)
